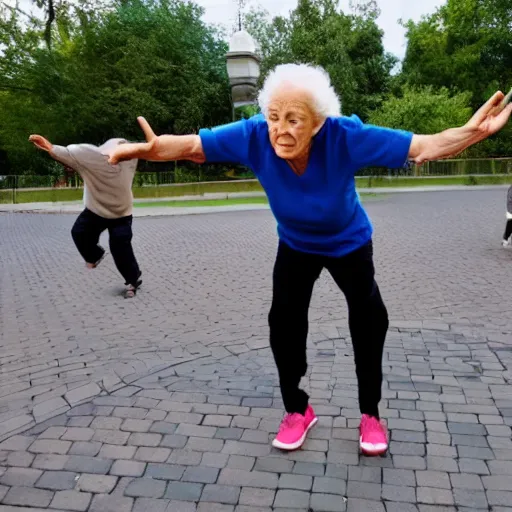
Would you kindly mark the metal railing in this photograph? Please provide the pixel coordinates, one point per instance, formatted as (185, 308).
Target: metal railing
(55, 188)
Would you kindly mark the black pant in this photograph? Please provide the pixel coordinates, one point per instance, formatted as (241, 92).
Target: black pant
(86, 234)
(294, 276)
(508, 230)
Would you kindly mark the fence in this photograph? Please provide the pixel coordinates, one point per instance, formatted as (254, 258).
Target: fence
(22, 188)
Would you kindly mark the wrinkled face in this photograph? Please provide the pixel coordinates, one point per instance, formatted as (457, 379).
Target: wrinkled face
(292, 122)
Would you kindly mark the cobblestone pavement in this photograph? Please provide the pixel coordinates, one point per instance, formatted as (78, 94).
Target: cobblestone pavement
(167, 403)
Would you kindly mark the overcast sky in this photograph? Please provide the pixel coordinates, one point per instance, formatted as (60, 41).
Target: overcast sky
(223, 12)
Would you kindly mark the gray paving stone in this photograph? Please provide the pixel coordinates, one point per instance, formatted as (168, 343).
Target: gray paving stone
(244, 462)
(400, 507)
(57, 480)
(165, 471)
(97, 484)
(257, 497)
(195, 430)
(83, 464)
(475, 466)
(309, 468)
(185, 457)
(91, 449)
(133, 425)
(50, 461)
(357, 505)
(111, 436)
(200, 444)
(470, 498)
(365, 474)
(214, 507)
(28, 497)
(436, 479)
(23, 477)
(163, 427)
(215, 460)
(432, 496)
(152, 505)
(364, 490)
(402, 477)
(16, 443)
(20, 459)
(181, 491)
(128, 468)
(328, 503)
(398, 493)
(108, 503)
(71, 500)
(291, 499)
(200, 475)
(145, 488)
(229, 433)
(241, 478)
(326, 485)
(299, 482)
(213, 493)
(174, 441)
(50, 446)
(146, 454)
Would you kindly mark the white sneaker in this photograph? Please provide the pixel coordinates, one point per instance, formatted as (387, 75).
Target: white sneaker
(506, 243)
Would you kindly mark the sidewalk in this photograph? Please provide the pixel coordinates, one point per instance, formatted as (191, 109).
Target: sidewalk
(157, 211)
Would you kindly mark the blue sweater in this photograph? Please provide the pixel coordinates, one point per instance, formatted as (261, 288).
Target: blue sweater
(318, 212)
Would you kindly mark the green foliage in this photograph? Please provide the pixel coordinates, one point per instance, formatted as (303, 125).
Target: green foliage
(348, 46)
(423, 110)
(153, 58)
(465, 45)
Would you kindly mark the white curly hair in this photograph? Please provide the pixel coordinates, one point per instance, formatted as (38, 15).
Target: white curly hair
(313, 79)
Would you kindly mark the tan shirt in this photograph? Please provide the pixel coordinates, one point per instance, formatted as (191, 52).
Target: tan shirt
(109, 187)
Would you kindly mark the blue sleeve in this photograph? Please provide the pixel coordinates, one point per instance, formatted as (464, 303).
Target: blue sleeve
(373, 146)
(229, 143)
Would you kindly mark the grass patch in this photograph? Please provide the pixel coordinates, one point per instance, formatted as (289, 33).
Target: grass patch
(185, 189)
(205, 202)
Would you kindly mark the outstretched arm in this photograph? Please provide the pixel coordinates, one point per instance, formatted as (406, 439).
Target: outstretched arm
(488, 120)
(160, 149)
(59, 153)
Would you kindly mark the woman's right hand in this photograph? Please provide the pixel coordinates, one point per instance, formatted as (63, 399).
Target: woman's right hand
(149, 150)
(41, 143)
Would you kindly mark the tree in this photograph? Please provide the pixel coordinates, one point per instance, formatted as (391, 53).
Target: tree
(348, 46)
(423, 110)
(155, 58)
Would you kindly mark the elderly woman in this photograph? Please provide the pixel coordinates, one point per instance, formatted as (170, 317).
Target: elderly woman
(305, 155)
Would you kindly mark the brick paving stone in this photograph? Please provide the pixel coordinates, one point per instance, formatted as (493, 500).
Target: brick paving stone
(57, 480)
(213, 493)
(163, 427)
(436, 479)
(97, 484)
(165, 471)
(24, 477)
(88, 448)
(111, 436)
(358, 505)
(78, 434)
(201, 444)
(326, 485)
(470, 498)
(400, 507)
(214, 460)
(145, 488)
(430, 495)
(200, 475)
(364, 490)
(83, 464)
(245, 463)
(328, 503)
(291, 499)
(243, 478)
(128, 468)
(182, 491)
(50, 446)
(108, 503)
(309, 468)
(16, 443)
(214, 507)
(133, 425)
(257, 497)
(398, 493)
(20, 459)
(50, 461)
(174, 441)
(28, 497)
(71, 500)
(146, 454)
(403, 477)
(185, 457)
(299, 482)
(151, 505)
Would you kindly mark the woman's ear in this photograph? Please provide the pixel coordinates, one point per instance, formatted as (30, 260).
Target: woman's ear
(319, 122)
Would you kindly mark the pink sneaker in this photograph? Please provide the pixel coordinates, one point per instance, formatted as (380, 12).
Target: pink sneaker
(293, 430)
(373, 438)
